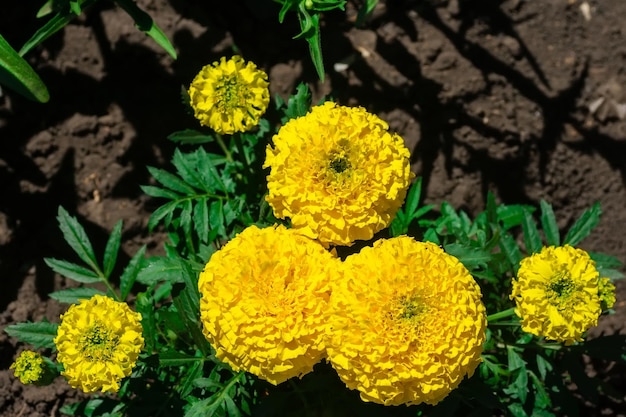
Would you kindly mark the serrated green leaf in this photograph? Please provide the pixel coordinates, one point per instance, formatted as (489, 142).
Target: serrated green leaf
(74, 295)
(162, 212)
(112, 248)
(511, 250)
(40, 334)
(76, 237)
(145, 307)
(542, 398)
(517, 410)
(73, 271)
(127, 280)
(56, 23)
(532, 240)
(189, 136)
(201, 219)
(583, 226)
(549, 225)
(159, 192)
(175, 358)
(171, 181)
(543, 366)
(604, 260)
(512, 215)
(310, 26)
(469, 256)
(158, 269)
(192, 373)
(188, 171)
(144, 23)
(19, 76)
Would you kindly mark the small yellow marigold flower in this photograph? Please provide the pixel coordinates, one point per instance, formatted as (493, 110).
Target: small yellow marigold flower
(557, 294)
(606, 292)
(407, 323)
(31, 368)
(98, 342)
(230, 95)
(337, 173)
(264, 302)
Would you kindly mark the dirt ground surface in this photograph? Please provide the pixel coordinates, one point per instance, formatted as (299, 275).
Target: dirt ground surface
(526, 99)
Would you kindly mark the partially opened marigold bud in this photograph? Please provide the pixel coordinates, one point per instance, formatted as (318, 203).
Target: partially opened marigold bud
(264, 302)
(32, 368)
(230, 96)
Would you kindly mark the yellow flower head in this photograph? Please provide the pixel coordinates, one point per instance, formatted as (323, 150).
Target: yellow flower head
(556, 293)
(606, 292)
(230, 96)
(98, 341)
(407, 323)
(30, 367)
(264, 302)
(337, 173)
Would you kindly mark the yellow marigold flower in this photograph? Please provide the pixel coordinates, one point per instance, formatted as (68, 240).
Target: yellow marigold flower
(606, 292)
(407, 323)
(230, 95)
(556, 293)
(264, 302)
(98, 342)
(337, 173)
(31, 368)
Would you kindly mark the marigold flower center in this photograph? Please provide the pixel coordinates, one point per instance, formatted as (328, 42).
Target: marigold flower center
(229, 94)
(98, 343)
(561, 287)
(339, 165)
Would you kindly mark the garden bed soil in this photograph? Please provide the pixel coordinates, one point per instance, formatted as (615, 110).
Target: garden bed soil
(525, 99)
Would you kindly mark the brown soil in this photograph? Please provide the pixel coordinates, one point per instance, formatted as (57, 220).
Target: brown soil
(491, 96)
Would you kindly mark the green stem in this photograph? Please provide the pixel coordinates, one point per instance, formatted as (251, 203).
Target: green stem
(501, 315)
(220, 141)
(244, 157)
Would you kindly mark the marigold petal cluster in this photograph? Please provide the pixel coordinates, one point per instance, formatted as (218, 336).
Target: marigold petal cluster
(407, 323)
(264, 302)
(337, 173)
(230, 95)
(98, 343)
(606, 291)
(557, 293)
(29, 367)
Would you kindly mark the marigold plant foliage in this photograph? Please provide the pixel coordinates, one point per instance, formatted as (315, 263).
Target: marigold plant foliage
(229, 96)
(408, 323)
(99, 341)
(29, 367)
(558, 295)
(337, 173)
(264, 302)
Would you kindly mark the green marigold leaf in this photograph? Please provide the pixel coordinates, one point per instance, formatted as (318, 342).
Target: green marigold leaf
(76, 237)
(73, 271)
(40, 334)
(112, 248)
(583, 226)
(74, 295)
(549, 225)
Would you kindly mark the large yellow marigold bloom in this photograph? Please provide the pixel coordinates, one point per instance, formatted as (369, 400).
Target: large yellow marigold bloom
(230, 95)
(408, 323)
(557, 293)
(337, 173)
(264, 302)
(98, 342)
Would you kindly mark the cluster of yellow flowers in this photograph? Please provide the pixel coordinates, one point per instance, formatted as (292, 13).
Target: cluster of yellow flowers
(559, 294)
(402, 322)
